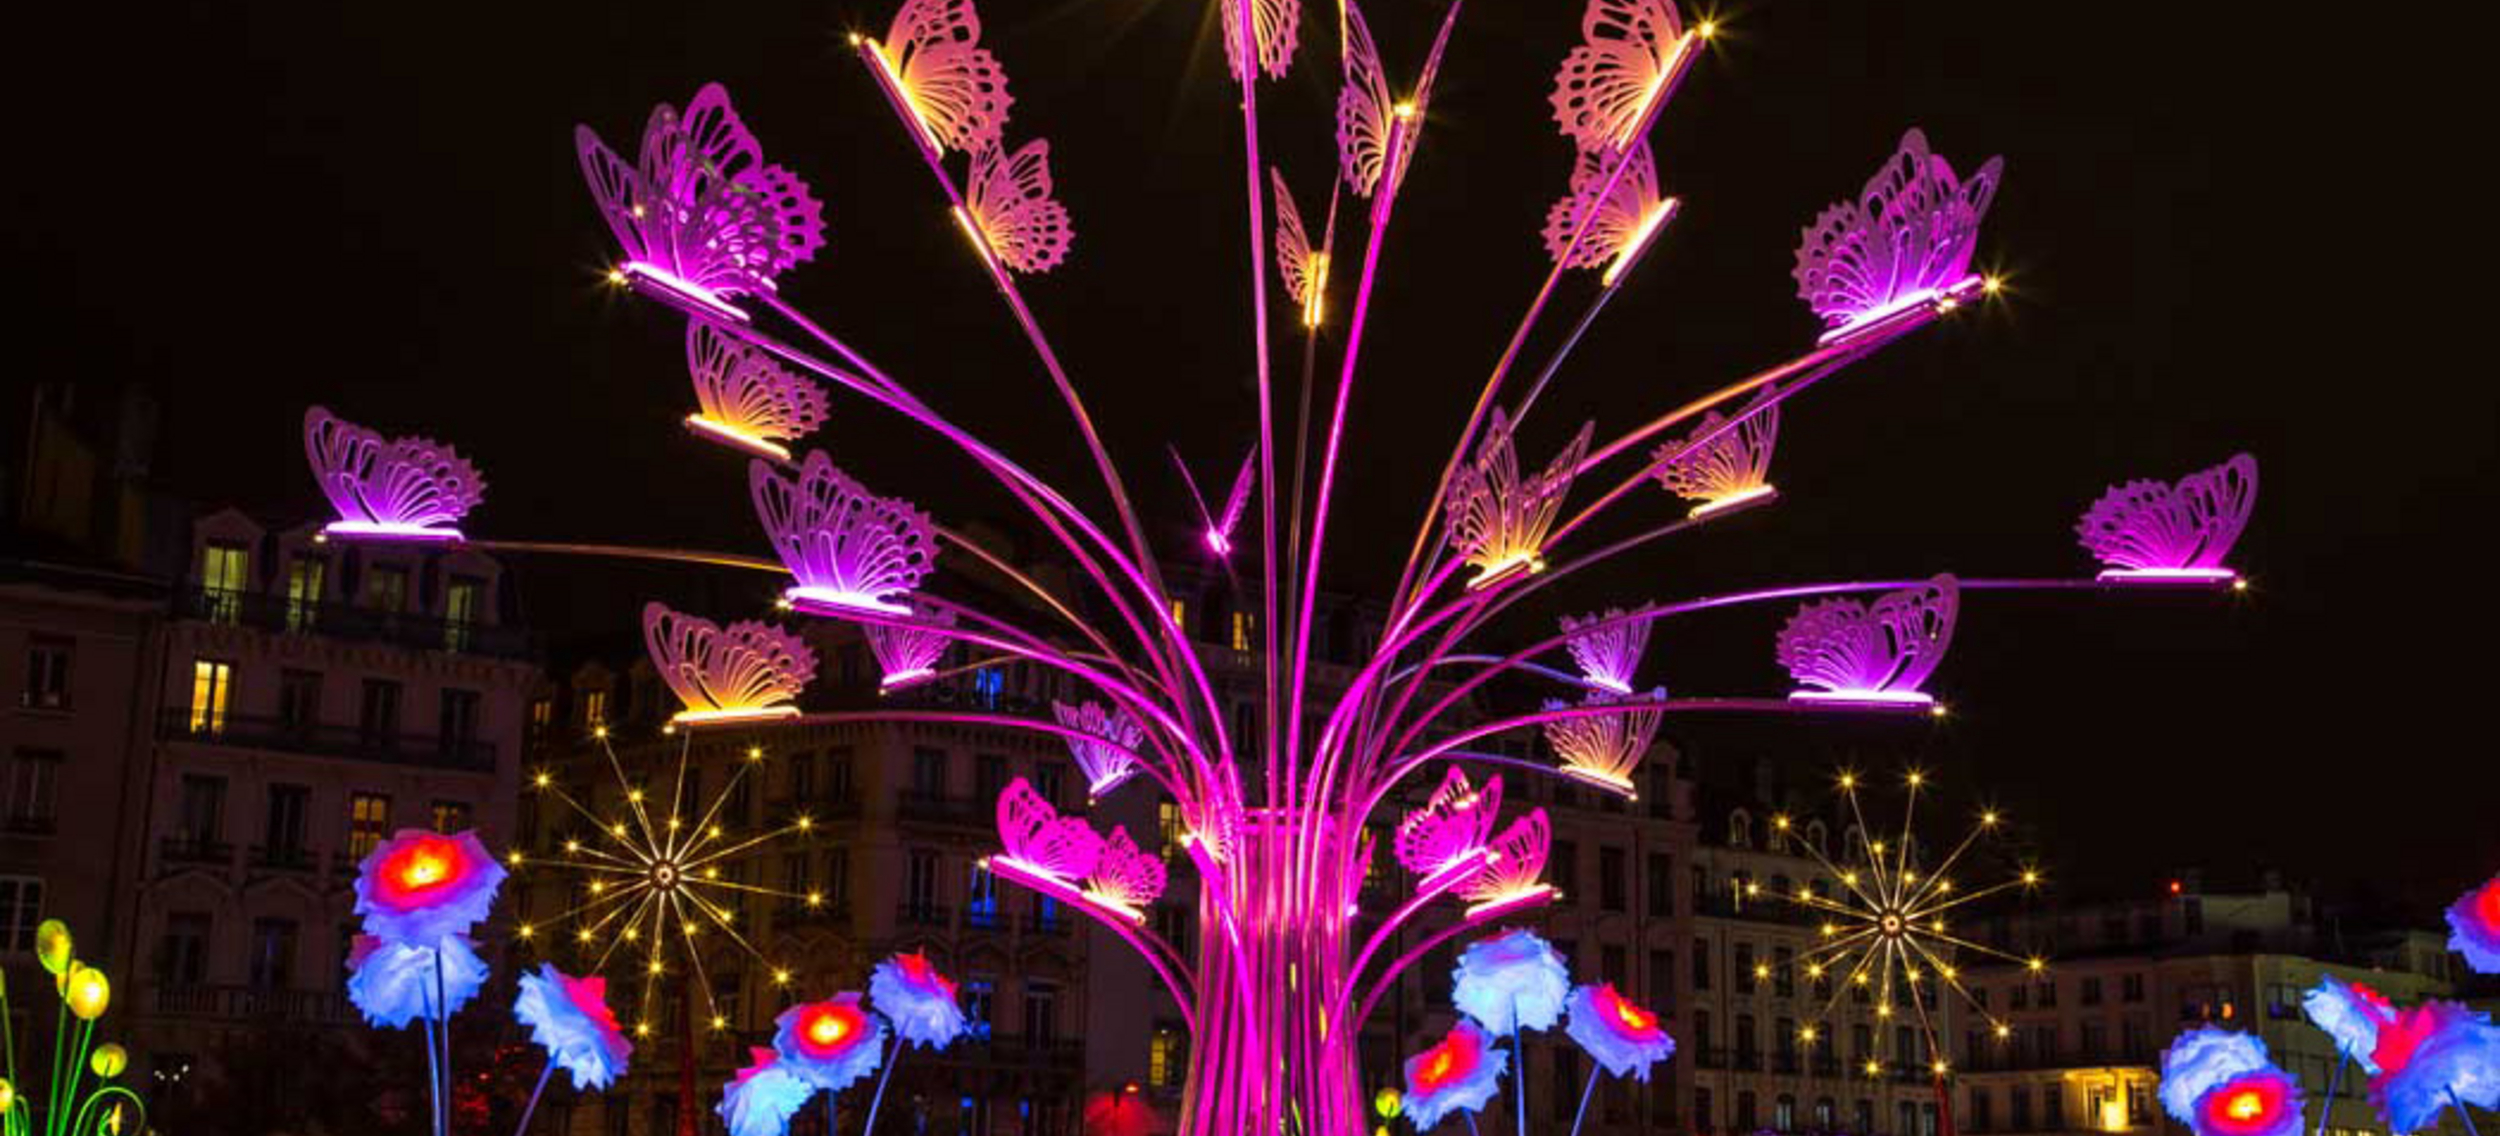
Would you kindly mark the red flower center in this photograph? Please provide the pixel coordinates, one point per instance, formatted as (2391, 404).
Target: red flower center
(1633, 1018)
(2247, 1105)
(426, 866)
(2486, 906)
(1451, 1060)
(2399, 1036)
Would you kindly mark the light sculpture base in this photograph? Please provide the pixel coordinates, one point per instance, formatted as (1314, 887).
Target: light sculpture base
(373, 531)
(2170, 577)
(828, 601)
(1867, 699)
(677, 291)
(1903, 310)
(1515, 564)
(905, 679)
(732, 717)
(1520, 900)
(1763, 493)
(1615, 783)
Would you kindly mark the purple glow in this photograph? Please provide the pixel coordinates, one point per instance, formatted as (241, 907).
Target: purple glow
(1607, 647)
(2177, 532)
(1498, 520)
(1631, 50)
(1009, 208)
(388, 489)
(847, 548)
(1518, 861)
(1848, 651)
(1039, 840)
(746, 670)
(1905, 242)
(1603, 749)
(1105, 766)
(953, 87)
(1719, 465)
(747, 399)
(908, 654)
(701, 214)
(1449, 827)
(1220, 526)
(1278, 25)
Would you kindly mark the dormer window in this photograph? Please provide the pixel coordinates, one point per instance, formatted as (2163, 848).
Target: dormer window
(225, 570)
(1740, 829)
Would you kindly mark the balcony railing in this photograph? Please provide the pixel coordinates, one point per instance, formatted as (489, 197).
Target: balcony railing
(464, 754)
(913, 914)
(194, 850)
(348, 621)
(798, 914)
(938, 808)
(314, 1007)
(1055, 925)
(282, 858)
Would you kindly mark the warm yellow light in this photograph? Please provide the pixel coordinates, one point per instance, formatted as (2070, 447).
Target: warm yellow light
(2004, 1030)
(642, 1029)
(1917, 779)
(2239, 583)
(814, 898)
(2031, 877)
(1780, 822)
(2034, 965)
(1884, 1011)
(542, 780)
(1989, 817)
(1404, 110)
(615, 276)
(781, 977)
(1759, 971)
(88, 992)
(8, 1095)
(1940, 1068)
(1640, 239)
(633, 795)
(572, 845)
(1848, 780)
(754, 753)
(1707, 29)
(655, 969)
(1991, 284)
(598, 731)
(1849, 878)
(1874, 1068)
(1806, 1034)
(1815, 970)
(596, 887)
(894, 78)
(108, 1062)
(803, 824)
(1877, 847)
(582, 935)
(673, 822)
(718, 1021)
(53, 946)
(525, 931)
(515, 859)
(632, 933)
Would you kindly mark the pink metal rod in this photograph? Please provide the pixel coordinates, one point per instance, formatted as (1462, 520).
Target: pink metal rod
(1536, 307)
(1760, 595)
(1247, 34)
(1032, 331)
(1388, 978)
(1446, 879)
(1158, 953)
(1021, 482)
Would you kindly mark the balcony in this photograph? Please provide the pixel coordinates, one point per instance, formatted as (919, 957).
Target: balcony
(987, 919)
(1054, 925)
(307, 1007)
(938, 808)
(358, 624)
(282, 858)
(910, 914)
(467, 755)
(794, 914)
(192, 850)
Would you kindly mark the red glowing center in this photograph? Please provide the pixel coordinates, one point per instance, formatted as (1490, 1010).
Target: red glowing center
(425, 866)
(590, 996)
(2487, 906)
(827, 1029)
(1634, 1018)
(1451, 1060)
(2247, 1104)
(2399, 1036)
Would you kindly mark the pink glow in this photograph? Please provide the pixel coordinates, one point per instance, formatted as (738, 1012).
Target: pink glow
(1905, 242)
(1741, 496)
(848, 548)
(1937, 299)
(366, 530)
(829, 601)
(670, 288)
(1042, 842)
(1125, 879)
(743, 672)
(2167, 576)
(1875, 698)
(908, 653)
(1450, 827)
(2172, 531)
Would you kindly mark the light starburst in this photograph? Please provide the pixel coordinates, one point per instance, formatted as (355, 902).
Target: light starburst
(1885, 932)
(658, 878)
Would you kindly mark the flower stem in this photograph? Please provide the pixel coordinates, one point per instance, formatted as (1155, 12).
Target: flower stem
(1519, 1076)
(2463, 1113)
(1584, 1098)
(2332, 1083)
(523, 1128)
(874, 1103)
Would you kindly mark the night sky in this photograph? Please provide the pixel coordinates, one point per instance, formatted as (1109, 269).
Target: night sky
(251, 208)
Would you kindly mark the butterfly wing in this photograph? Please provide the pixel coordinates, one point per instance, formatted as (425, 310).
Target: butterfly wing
(1606, 83)
(1011, 203)
(1239, 499)
(953, 83)
(1278, 25)
(1363, 107)
(1293, 244)
(1618, 214)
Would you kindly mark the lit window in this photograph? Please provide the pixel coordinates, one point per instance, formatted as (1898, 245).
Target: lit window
(460, 607)
(224, 569)
(1165, 1058)
(303, 591)
(47, 674)
(595, 708)
(1245, 626)
(368, 818)
(21, 907)
(1180, 614)
(212, 686)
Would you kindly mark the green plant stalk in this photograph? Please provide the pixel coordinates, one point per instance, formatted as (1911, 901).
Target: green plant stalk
(8, 1035)
(138, 1108)
(52, 1089)
(77, 1067)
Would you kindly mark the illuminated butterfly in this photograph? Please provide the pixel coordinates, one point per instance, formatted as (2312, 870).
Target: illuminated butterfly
(1219, 530)
(1305, 269)
(955, 88)
(1907, 237)
(1009, 208)
(1625, 219)
(1278, 24)
(700, 212)
(1631, 49)
(1366, 113)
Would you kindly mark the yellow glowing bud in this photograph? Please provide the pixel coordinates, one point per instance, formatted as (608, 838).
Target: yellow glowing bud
(88, 992)
(52, 945)
(8, 1095)
(108, 1062)
(1388, 1103)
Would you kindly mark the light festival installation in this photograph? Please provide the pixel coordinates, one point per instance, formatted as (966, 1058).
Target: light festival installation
(388, 488)
(84, 1095)
(740, 673)
(1884, 933)
(1288, 968)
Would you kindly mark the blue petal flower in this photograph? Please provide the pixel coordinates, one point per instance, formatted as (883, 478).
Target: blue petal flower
(2350, 1014)
(570, 1018)
(2454, 1050)
(1617, 1034)
(393, 982)
(1463, 1071)
(829, 1044)
(1512, 981)
(763, 1097)
(2474, 927)
(421, 885)
(918, 1000)
(2201, 1059)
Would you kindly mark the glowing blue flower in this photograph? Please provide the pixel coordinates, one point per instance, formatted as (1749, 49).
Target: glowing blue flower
(918, 1000)
(2351, 1014)
(1463, 1071)
(422, 885)
(2474, 927)
(393, 982)
(570, 1018)
(763, 1097)
(2431, 1053)
(1617, 1034)
(2201, 1059)
(829, 1044)
(1513, 981)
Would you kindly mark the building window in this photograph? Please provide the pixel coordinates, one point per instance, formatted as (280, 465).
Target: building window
(225, 570)
(282, 830)
(837, 875)
(1982, 1114)
(594, 709)
(1783, 972)
(456, 726)
(299, 700)
(542, 716)
(989, 777)
(386, 588)
(2053, 1108)
(1167, 1054)
(1740, 829)
(34, 780)
(802, 777)
(1662, 981)
(451, 816)
(47, 673)
(920, 884)
(2091, 992)
(1743, 969)
(1613, 890)
(1701, 964)
(303, 591)
(368, 821)
(1701, 1109)
(212, 687)
(1245, 629)
(980, 1006)
(1661, 884)
(21, 908)
(981, 897)
(1823, 1114)
(2131, 988)
(182, 956)
(1784, 1113)
(928, 773)
(1563, 867)
(1050, 779)
(273, 954)
(1745, 1113)
(838, 785)
(1041, 1013)
(377, 714)
(203, 809)
(461, 602)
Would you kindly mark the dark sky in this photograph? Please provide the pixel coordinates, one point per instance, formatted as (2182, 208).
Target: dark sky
(254, 207)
